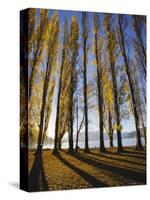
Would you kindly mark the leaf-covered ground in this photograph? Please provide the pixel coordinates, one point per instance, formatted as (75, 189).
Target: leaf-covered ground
(86, 170)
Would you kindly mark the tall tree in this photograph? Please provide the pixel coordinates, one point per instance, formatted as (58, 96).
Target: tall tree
(24, 77)
(79, 127)
(48, 108)
(51, 52)
(139, 100)
(85, 34)
(64, 118)
(139, 64)
(98, 54)
(73, 55)
(64, 52)
(139, 25)
(28, 38)
(37, 41)
(108, 101)
(122, 42)
(111, 46)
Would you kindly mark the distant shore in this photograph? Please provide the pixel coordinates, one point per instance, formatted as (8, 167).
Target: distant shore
(127, 142)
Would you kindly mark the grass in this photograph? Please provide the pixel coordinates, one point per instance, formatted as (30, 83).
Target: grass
(86, 170)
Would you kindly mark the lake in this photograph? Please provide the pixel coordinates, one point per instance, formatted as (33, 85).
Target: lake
(93, 144)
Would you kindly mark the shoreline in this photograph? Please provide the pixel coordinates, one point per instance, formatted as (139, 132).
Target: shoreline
(82, 149)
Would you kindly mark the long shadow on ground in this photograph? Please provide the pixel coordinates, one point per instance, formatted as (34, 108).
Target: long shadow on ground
(138, 177)
(111, 163)
(127, 153)
(37, 179)
(107, 156)
(131, 151)
(87, 177)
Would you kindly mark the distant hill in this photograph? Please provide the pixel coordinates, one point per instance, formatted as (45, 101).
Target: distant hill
(94, 135)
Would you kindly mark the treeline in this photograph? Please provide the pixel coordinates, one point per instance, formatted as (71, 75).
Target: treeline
(59, 61)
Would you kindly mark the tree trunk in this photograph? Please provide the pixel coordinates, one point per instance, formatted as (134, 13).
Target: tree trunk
(65, 39)
(71, 122)
(78, 131)
(33, 77)
(145, 137)
(74, 50)
(59, 144)
(85, 98)
(77, 136)
(58, 108)
(140, 39)
(111, 51)
(116, 107)
(140, 112)
(110, 129)
(77, 139)
(43, 139)
(138, 137)
(24, 107)
(42, 114)
(100, 96)
(111, 140)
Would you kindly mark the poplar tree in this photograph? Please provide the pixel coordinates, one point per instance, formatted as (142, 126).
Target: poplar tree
(37, 38)
(73, 57)
(111, 47)
(35, 43)
(139, 100)
(108, 102)
(85, 35)
(51, 63)
(60, 87)
(98, 56)
(139, 26)
(122, 42)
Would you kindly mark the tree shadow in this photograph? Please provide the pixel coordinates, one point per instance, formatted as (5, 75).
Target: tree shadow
(43, 179)
(86, 176)
(130, 151)
(37, 179)
(129, 154)
(128, 173)
(110, 162)
(114, 158)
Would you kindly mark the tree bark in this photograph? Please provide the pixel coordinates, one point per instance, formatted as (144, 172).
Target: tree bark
(110, 129)
(74, 52)
(100, 95)
(42, 114)
(85, 98)
(140, 109)
(58, 107)
(111, 140)
(139, 37)
(111, 51)
(77, 136)
(71, 121)
(117, 111)
(138, 137)
(59, 144)
(78, 132)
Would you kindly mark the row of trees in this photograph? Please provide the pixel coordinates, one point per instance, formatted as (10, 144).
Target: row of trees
(59, 63)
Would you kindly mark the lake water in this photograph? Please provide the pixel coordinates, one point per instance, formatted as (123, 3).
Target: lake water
(93, 144)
